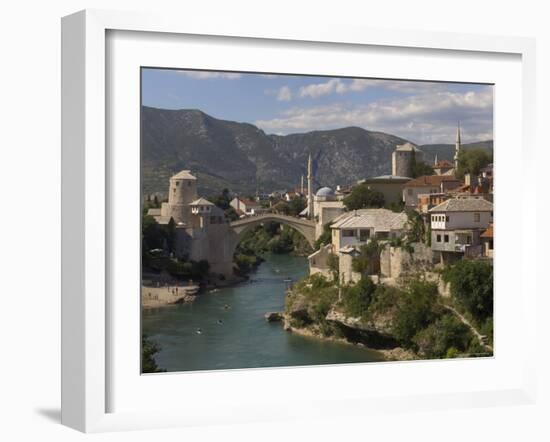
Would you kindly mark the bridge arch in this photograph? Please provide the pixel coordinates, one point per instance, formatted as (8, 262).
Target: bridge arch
(240, 227)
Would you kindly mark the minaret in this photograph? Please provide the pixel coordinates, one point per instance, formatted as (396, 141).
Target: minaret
(302, 186)
(457, 146)
(309, 188)
(435, 160)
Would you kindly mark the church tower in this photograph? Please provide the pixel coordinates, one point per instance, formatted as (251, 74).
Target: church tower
(310, 188)
(457, 146)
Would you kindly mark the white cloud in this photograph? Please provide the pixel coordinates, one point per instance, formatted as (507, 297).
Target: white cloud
(426, 118)
(206, 75)
(343, 86)
(319, 89)
(284, 94)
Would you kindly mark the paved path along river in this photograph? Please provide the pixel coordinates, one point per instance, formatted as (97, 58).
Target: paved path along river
(239, 336)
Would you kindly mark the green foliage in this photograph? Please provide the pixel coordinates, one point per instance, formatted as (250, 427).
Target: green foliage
(296, 205)
(325, 237)
(148, 351)
(152, 234)
(472, 161)
(318, 281)
(245, 263)
(171, 235)
(231, 214)
(472, 287)
(368, 261)
(333, 263)
(397, 207)
(415, 310)
(223, 199)
(184, 269)
(419, 168)
(446, 337)
(282, 208)
(362, 197)
(417, 228)
(357, 298)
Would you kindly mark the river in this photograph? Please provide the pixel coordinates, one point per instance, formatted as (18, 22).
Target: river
(239, 336)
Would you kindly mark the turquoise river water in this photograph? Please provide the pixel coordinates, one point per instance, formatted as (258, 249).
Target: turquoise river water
(239, 336)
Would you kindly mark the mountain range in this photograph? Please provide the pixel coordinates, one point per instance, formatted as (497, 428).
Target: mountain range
(244, 159)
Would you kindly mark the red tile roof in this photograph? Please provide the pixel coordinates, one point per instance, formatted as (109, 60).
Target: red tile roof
(431, 180)
(488, 233)
(443, 164)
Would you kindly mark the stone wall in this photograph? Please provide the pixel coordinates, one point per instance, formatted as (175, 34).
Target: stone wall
(396, 261)
(345, 269)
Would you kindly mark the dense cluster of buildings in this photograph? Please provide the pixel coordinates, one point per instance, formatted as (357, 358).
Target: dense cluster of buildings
(457, 213)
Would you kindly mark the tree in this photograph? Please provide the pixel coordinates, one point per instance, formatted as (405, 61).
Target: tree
(444, 338)
(417, 228)
(231, 214)
(281, 207)
(357, 298)
(333, 263)
(472, 286)
(151, 233)
(362, 197)
(296, 205)
(148, 351)
(368, 261)
(415, 310)
(171, 235)
(325, 237)
(419, 168)
(472, 161)
(223, 199)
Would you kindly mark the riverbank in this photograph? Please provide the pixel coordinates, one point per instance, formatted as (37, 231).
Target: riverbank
(155, 297)
(227, 329)
(391, 354)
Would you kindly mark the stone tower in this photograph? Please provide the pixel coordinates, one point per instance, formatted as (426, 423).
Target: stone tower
(457, 145)
(401, 159)
(310, 188)
(181, 193)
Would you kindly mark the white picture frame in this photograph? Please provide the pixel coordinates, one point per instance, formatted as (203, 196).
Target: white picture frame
(86, 316)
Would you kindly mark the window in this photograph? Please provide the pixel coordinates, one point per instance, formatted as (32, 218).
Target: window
(476, 217)
(438, 238)
(409, 192)
(364, 234)
(177, 183)
(348, 233)
(446, 238)
(382, 235)
(447, 218)
(189, 183)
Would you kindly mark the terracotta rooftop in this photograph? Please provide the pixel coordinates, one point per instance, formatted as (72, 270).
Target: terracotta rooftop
(431, 180)
(443, 164)
(489, 232)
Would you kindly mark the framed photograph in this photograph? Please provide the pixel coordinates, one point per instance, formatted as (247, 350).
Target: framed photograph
(249, 212)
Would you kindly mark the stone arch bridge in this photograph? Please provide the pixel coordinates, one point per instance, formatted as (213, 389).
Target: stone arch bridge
(304, 226)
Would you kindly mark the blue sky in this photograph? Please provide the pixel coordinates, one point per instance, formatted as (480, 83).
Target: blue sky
(422, 112)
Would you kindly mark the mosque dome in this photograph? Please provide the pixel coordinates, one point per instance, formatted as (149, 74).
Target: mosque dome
(325, 191)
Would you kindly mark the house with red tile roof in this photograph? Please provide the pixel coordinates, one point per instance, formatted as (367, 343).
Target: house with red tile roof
(427, 184)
